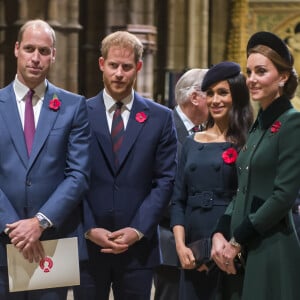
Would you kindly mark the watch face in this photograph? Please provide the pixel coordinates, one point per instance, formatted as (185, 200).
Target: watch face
(44, 223)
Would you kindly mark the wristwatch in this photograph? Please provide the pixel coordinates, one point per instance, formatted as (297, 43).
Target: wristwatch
(234, 243)
(43, 222)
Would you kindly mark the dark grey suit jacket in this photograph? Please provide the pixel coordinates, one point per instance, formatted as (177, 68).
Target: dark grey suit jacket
(166, 237)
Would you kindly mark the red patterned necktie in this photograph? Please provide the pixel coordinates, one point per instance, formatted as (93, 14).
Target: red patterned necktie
(29, 126)
(117, 131)
(196, 129)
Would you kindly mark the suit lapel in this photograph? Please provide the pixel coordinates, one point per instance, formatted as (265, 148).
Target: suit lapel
(45, 124)
(97, 114)
(133, 127)
(10, 114)
(182, 132)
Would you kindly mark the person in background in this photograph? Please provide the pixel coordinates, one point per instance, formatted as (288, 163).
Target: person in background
(259, 219)
(44, 161)
(134, 162)
(190, 115)
(206, 177)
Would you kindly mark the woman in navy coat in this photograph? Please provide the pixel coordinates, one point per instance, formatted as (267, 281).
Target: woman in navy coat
(206, 178)
(259, 219)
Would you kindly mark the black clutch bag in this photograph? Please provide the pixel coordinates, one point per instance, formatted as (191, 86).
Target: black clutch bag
(201, 251)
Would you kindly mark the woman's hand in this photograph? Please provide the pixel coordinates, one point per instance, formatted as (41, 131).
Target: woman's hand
(186, 257)
(185, 254)
(223, 253)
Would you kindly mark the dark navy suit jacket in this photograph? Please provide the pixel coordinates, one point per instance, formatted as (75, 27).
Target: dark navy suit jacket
(136, 193)
(55, 177)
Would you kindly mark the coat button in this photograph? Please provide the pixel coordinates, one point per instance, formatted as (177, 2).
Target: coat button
(28, 182)
(240, 170)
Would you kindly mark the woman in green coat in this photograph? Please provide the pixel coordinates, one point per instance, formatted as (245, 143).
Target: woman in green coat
(259, 220)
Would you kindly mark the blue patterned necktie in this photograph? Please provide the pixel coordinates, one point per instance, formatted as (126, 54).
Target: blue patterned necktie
(117, 131)
(29, 126)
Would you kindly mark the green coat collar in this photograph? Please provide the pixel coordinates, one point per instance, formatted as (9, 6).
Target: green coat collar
(266, 117)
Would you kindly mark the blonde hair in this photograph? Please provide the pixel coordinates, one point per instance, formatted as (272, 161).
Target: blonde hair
(122, 39)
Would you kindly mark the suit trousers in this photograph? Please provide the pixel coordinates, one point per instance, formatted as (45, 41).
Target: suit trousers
(106, 272)
(45, 294)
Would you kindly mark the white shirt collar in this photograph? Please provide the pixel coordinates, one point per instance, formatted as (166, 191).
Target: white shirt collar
(109, 102)
(186, 121)
(21, 90)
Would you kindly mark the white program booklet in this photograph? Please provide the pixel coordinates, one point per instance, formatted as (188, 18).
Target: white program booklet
(59, 268)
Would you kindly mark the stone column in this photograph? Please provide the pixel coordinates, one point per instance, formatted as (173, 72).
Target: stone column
(117, 13)
(238, 32)
(23, 12)
(73, 27)
(53, 15)
(197, 49)
(177, 35)
(65, 70)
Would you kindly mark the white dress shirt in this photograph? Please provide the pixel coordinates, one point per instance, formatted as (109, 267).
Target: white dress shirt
(110, 106)
(189, 125)
(21, 91)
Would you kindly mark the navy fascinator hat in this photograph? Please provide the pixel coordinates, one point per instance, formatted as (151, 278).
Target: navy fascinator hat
(272, 41)
(219, 72)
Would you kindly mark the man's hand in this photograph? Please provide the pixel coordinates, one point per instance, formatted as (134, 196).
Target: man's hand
(125, 235)
(33, 251)
(24, 235)
(101, 237)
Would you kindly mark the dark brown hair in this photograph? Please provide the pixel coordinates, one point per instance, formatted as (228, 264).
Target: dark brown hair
(282, 66)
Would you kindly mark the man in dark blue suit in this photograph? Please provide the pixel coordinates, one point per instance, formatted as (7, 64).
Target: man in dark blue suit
(42, 176)
(190, 115)
(130, 188)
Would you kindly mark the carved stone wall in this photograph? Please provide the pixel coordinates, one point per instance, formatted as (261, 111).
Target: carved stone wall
(63, 16)
(177, 34)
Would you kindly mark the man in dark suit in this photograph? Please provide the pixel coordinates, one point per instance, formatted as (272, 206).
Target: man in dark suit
(190, 116)
(133, 170)
(45, 168)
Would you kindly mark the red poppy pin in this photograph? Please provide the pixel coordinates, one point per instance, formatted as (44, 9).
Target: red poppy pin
(229, 156)
(275, 126)
(141, 117)
(54, 104)
(46, 264)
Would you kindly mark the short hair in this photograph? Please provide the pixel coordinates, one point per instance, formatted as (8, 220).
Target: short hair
(122, 39)
(37, 23)
(189, 82)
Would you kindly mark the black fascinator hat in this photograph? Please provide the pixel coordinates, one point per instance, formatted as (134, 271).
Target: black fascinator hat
(220, 72)
(272, 41)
